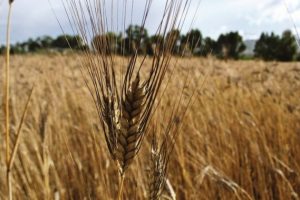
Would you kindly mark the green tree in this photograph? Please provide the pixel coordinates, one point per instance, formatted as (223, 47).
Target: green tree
(136, 38)
(273, 47)
(267, 46)
(209, 47)
(192, 41)
(17, 48)
(230, 45)
(288, 47)
(172, 41)
(67, 41)
(33, 45)
(46, 42)
(2, 49)
(297, 57)
(153, 44)
(106, 44)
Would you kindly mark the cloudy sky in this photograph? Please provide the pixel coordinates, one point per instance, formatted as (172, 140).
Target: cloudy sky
(32, 18)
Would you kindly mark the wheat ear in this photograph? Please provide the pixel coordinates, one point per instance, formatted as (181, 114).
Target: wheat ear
(128, 125)
(124, 112)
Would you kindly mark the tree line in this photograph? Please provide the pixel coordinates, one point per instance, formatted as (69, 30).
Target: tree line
(46, 43)
(228, 46)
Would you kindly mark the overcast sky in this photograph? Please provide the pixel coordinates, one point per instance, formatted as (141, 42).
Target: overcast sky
(32, 18)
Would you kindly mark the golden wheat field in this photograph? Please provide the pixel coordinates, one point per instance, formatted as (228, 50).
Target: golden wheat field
(239, 137)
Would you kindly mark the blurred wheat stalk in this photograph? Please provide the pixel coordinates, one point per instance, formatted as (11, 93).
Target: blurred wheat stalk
(10, 155)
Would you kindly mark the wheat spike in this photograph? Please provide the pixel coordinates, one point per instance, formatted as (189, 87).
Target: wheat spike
(160, 154)
(128, 125)
(124, 111)
(157, 171)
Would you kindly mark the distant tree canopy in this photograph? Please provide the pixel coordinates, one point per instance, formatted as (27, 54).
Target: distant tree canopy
(230, 45)
(153, 43)
(111, 41)
(46, 43)
(172, 41)
(192, 41)
(67, 41)
(274, 47)
(209, 47)
(136, 39)
(288, 47)
(267, 46)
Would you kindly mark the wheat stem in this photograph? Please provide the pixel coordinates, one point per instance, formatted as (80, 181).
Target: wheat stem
(17, 142)
(121, 187)
(7, 84)
(7, 103)
(8, 179)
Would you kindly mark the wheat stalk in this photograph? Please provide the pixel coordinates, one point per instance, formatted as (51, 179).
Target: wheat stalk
(7, 117)
(160, 154)
(124, 113)
(10, 156)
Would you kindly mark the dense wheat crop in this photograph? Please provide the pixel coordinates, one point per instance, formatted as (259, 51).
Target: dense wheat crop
(239, 140)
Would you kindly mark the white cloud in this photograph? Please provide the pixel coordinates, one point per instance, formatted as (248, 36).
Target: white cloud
(32, 18)
(274, 11)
